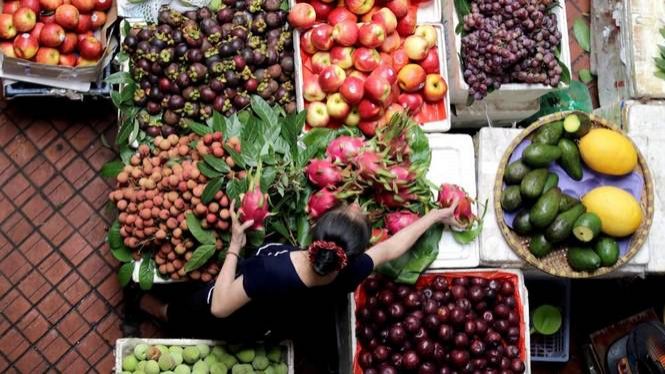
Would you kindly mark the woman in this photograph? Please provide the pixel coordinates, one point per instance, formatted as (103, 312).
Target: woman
(252, 299)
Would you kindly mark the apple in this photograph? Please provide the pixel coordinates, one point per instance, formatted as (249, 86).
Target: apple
(68, 2)
(37, 30)
(391, 111)
(306, 42)
(103, 5)
(48, 56)
(84, 25)
(386, 72)
(24, 19)
(52, 35)
(369, 110)
(400, 59)
(302, 16)
(353, 118)
(320, 60)
(345, 33)
(47, 17)
(10, 7)
(337, 107)
(317, 114)
(67, 16)
(416, 47)
(435, 87)
(69, 43)
(331, 78)
(7, 49)
(431, 62)
(371, 35)
(25, 46)
(7, 29)
(386, 18)
(410, 101)
(411, 78)
(428, 33)
(377, 88)
(90, 48)
(311, 89)
(407, 25)
(341, 14)
(400, 8)
(82, 62)
(341, 56)
(352, 89)
(68, 60)
(368, 128)
(84, 6)
(32, 4)
(80, 37)
(391, 43)
(49, 4)
(358, 74)
(367, 17)
(394, 93)
(98, 19)
(321, 9)
(359, 6)
(365, 59)
(322, 37)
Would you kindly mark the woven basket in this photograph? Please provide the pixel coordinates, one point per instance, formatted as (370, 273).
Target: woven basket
(556, 263)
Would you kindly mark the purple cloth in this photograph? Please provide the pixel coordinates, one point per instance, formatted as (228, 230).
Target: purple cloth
(632, 183)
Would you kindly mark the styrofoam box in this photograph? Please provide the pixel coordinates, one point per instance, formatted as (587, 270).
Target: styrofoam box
(482, 113)
(453, 161)
(348, 324)
(125, 346)
(512, 92)
(435, 126)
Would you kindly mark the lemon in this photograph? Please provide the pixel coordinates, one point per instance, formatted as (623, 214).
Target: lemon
(608, 152)
(620, 213)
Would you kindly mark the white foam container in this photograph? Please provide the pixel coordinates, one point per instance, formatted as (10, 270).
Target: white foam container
(125, 346)
(346, 324)
(453, 161)
(482, 113)
(512, 92)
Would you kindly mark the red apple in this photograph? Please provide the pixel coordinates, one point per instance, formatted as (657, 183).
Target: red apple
(359, 6)
(68, 60)
(24, 19)
(366, 59)
(321, 9)
(428, 33)
(317, 114)
(7, 49)
(25, 46)
(386, 18)
(103, 5)
(302, 16)
(37, 30)
(435, 87)
(49, 4)
(377, 88)
(399, 7)
(47, 17)
(410, 101)
(67, 16)
(367, 17)
(322, 37)
(353, 118)
(341, 14)
(369, 109)
(386, 58)
(352, 89)
(331, 78)
(320, 60)
(306, 42)
(48, 56)
(386, 72)
(311, 89)
(32, 4)
(10, 7)
(400, 59)
(368, 128)
(80, 37)
(90, 48)
(7, 29)
(431, 61)
(81, 62)
(407, 25)
(337, 107)
(69, 43)
(98, 19)
(371, 35)
(341, 56)
(411, 78)
(345, 33)
(391, 111)
(68, 2)
(391, 43)
(84, 25)
(52, 35)
(358, 74)
(416, 47)
(84, 6)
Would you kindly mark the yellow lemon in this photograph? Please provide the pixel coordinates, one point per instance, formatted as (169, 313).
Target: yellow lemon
(619, 212)
(608, 152)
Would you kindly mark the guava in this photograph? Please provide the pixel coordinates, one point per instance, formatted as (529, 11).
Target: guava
(211, 359)
(190, 355)
(175, 348)
(218, 368)
(218, 351)
(200, 367)
(177, 358)
(242, 369)
(204, 350)
(153, 353)
(182, 369)
(129, 363)
(140, 366)
(246, 355)
(260, 362)
(166, 362)
(275, 354)
(228, 360)
(140, 351)
(151, 367)
(280, 368)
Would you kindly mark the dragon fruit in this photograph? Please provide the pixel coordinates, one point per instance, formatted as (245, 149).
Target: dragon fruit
(321, 202)
(344, 148)
(402, 175)
(254, 205)
(395, 200)
(379, 235)
(369, 165)
(463, 212)
(396, 221)
(323, 173)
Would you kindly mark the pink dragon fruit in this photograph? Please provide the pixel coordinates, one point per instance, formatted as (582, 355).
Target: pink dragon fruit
(369, 164)
(254, 205)
(379, 235)
(463, 212)
(344, 148)
(321, 202)
(396, 221)
(323, 173)
(402, 175)
(395, 200)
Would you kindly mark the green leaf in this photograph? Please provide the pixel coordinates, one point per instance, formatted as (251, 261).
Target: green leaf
(662, 32)
(279, 227)
(582, 33)
(547, 319)
(462, 8)
(585, 76)
(291, 130)
(200, 129)
(111, 169)
(211, 189)
(238, 158)
(216, 163)
(233, 127)
(469, 235)
(200, 256)
(421, 155)
(565, 73)
(303, 230)
(146, 272)
(126, 153)
(116, 98)
(268, 177)
(121, 77)
(208, 171)
(194, 227)
(125, 130)
(660, 74)
(118, 249)
(264, 111)
(218, 122)
(660, 63)
(236, 187)
(256, 238)
(125, 273)
(423, 253)
(134, 134)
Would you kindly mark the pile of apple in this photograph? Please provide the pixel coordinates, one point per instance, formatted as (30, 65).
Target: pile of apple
(367, 61)
(53, 32)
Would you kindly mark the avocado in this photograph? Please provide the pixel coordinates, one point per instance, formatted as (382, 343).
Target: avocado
(521, 223)
(570, 159)
(539, 246)
(545, 209)
(587, 227)
(515, 171)
(560, 229)
(549, 133)
(551, 181)
(533, 183)
(608, 250)
(576, 127)
(540, 155)
(511, 199)
(583, 259)
(567, 202)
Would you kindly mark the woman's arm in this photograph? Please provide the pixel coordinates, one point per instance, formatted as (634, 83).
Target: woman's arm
(229, 294)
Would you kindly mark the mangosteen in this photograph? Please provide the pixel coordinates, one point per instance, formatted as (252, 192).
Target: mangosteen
(251, 84)
(227, 28)
(259, 57)
(167, 130)
(237, 44)
(145, 84)
(205, 111)
(273, 35)
(170, 117)
(248, 55)
(181, 50)
(153, 53)
(129, 44)
(217, 84)
(282, 15)
(287, 64)
(239, 32)
(192, 35)
(153, 131)
(241, 4)
(142, 47)
(209, 60)
(232, 78)
(271, 5)
(290, 107)
(170, 17)
(272, 56)
(240, 101)
(281, 95)
(163, 31)
(225, 50)
(273, 20)
(176, 36)
(242, 18)
(274, 71)
(259, 24)
(216, 68)
(144, 34)
(207, 94)
(191, 93)
(183, 80)
(273, 85)
(164, 84)
(154, 93)
(229, 2)
(153, 79)
(191, 14)
(176, 102)
(166, 56)
(194, 55)
(156, 68)
(239, 62)
(197, 71)
(204, 13)
(207, 24)
(191, 109)
(153, 107)
(225, 15)
(230, 92)
(172, 71)
(219, 102)
(139, 96)
(265, 93)
(157, 43)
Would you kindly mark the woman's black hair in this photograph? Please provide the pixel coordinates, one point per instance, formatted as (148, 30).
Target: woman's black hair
(349, 232)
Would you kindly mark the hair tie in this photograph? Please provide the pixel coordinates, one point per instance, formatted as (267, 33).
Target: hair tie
(322, 245)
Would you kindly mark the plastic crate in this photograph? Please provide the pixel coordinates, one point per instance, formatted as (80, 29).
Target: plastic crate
(25, 89)
(556, 292)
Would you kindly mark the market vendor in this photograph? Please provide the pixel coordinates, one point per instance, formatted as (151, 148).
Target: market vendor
(259, 296)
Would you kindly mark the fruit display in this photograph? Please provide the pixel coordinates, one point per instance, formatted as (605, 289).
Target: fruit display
(509, 42)
(574, 186)
(53, 32)
(446, 323)
(203, 359)
(191, 64)
(362, 62)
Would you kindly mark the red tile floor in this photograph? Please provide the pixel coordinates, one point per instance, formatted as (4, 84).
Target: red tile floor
(60, 303)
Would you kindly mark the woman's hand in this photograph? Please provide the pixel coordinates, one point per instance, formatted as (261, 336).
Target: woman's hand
(238, 237)
(447, 215)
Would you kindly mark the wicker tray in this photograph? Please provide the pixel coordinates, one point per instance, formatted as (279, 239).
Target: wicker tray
(556, 263)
